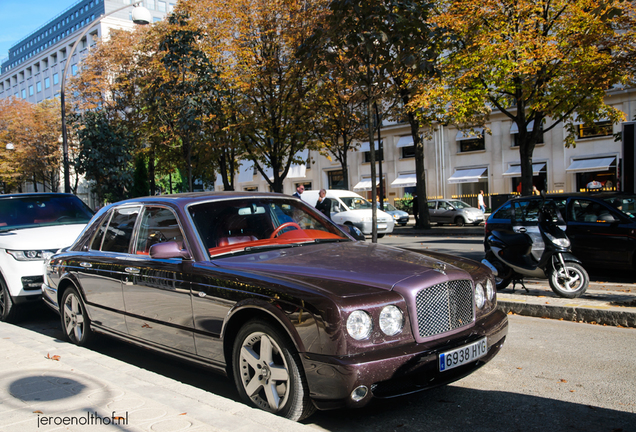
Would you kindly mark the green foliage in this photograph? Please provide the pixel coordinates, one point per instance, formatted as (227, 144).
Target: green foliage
(141, 185)
(105, 155)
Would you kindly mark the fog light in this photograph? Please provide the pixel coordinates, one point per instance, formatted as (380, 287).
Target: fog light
(359, 393)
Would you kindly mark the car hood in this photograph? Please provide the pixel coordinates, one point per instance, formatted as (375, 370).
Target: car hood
(365, 213)
(351, 268)
(41, 238)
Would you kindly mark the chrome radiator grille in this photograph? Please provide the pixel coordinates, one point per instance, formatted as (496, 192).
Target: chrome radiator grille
(444, 307)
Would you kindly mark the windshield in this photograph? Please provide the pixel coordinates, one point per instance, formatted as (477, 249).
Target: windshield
(356, 203)
(246, 225)
(625, 204)
(17, 212)
(459, 204)
(389, 207)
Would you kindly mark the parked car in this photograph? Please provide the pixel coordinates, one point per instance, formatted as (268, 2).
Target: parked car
(349, 208)
(453, 211)
(265, 288)
(400, 217)
(601, 226)
(33, 226)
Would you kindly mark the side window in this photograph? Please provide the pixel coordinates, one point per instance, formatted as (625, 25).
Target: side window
(504, 212)
(431, 205)
(520, 210)
(590, 211)
(120, 229)
(158, 225)
(99, 236)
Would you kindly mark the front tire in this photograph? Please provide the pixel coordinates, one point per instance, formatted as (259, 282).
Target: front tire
(569, 282)
(75, 322)
(8, 309)
(268, 373)
(459, 221)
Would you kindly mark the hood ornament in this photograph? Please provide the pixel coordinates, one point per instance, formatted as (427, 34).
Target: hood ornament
(440, 267)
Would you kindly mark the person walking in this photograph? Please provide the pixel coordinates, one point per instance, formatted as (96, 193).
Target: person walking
(324, 203)
(480, 201)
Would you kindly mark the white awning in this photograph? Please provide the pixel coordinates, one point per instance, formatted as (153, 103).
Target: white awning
(589, 165)
(364, 185)
(404, 180)
(515, 170)
(472, 175)
(405, 141)
(515, 129)
(246, 171)
(467, 135)
(365, 146)
(299, 171)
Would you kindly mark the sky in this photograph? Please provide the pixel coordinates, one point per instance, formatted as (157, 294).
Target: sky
(20, 18)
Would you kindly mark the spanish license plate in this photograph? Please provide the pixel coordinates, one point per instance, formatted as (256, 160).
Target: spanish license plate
(463, 355)
(382, 226)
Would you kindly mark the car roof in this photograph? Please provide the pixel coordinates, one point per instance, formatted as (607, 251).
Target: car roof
(33, 195)
(184, 199)
(597, 195)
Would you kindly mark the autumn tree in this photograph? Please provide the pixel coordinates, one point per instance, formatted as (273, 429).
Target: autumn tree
(34, 131)
(539, 62)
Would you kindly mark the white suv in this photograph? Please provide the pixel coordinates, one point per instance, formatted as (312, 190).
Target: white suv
(33, 226)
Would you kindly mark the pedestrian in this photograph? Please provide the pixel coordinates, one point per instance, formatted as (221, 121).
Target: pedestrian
(480, 201)
(324, 203)
(299, 191)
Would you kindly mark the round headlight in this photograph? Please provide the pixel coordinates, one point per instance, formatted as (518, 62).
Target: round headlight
(480, 296)
(391, 320)
(359, 325)
(490, 290)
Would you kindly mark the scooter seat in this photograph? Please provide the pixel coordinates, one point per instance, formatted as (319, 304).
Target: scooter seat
(514, 239)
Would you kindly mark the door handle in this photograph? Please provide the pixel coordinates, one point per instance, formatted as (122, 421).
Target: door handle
(522, 230)
(132, 270)
(86, 265)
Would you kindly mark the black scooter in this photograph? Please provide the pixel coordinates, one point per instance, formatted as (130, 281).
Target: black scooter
(545, 254)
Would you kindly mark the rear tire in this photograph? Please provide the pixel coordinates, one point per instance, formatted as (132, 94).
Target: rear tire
(571, 282)
(75, 322)
(8, 309)
(268, 372)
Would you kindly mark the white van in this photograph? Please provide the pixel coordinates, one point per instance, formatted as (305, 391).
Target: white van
(349, 208)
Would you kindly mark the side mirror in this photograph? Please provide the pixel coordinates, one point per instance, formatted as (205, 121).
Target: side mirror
(168, 250)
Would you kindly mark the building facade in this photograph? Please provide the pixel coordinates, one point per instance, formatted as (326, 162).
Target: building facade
(459, 164)
(33, 69)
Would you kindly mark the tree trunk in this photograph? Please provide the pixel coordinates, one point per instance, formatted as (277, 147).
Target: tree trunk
(374, 191)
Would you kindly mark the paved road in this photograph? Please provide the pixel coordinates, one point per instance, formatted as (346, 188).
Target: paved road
(551, 375)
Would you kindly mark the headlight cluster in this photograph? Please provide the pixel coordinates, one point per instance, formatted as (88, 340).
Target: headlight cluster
(561, 242)
(484, 294)
(31, 255)
(360, 323)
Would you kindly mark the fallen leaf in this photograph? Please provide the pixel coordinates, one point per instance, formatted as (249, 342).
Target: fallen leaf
(519, 368)
(572, 391)
(183, 414)
(563, 381)
(54, 357)
(119, 418)
(38, 412)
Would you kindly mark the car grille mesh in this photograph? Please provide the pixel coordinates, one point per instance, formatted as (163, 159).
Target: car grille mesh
(444, 307)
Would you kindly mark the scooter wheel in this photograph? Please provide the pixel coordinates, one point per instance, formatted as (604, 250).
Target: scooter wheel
(569, 282)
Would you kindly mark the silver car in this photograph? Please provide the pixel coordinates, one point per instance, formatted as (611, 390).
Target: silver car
(454, 211)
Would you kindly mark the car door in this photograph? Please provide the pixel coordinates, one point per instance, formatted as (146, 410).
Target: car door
(432, 211)
(600, 236)
(157, 291)
(445, 212)
(101, 268)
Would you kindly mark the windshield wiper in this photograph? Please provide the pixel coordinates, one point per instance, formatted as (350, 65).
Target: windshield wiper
(331, 240)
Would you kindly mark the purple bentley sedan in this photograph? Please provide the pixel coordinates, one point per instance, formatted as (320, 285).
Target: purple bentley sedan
(264, 288)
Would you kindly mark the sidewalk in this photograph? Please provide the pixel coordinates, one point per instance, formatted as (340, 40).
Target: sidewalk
(603, 304)
(50, 385)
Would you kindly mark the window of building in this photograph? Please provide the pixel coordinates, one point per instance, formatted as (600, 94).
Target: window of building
(151, 4)
(599, 129)
(74, 69)
(379, 156)
(30, 90)
(55, 79)
(47, 82)
(38, 86)
(408, 152)
(23, 93)
(336, 179)
(472, 144)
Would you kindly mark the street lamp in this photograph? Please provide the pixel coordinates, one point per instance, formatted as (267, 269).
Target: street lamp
(140, 16)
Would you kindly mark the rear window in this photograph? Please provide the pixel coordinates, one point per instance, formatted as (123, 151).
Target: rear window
(624, 204)
(19, 212)
(504, 212)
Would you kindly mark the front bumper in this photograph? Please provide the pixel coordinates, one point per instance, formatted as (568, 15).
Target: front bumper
(383, 227)
(397, 371)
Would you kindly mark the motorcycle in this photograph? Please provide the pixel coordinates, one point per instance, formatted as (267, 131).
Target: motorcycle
(544, 253)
